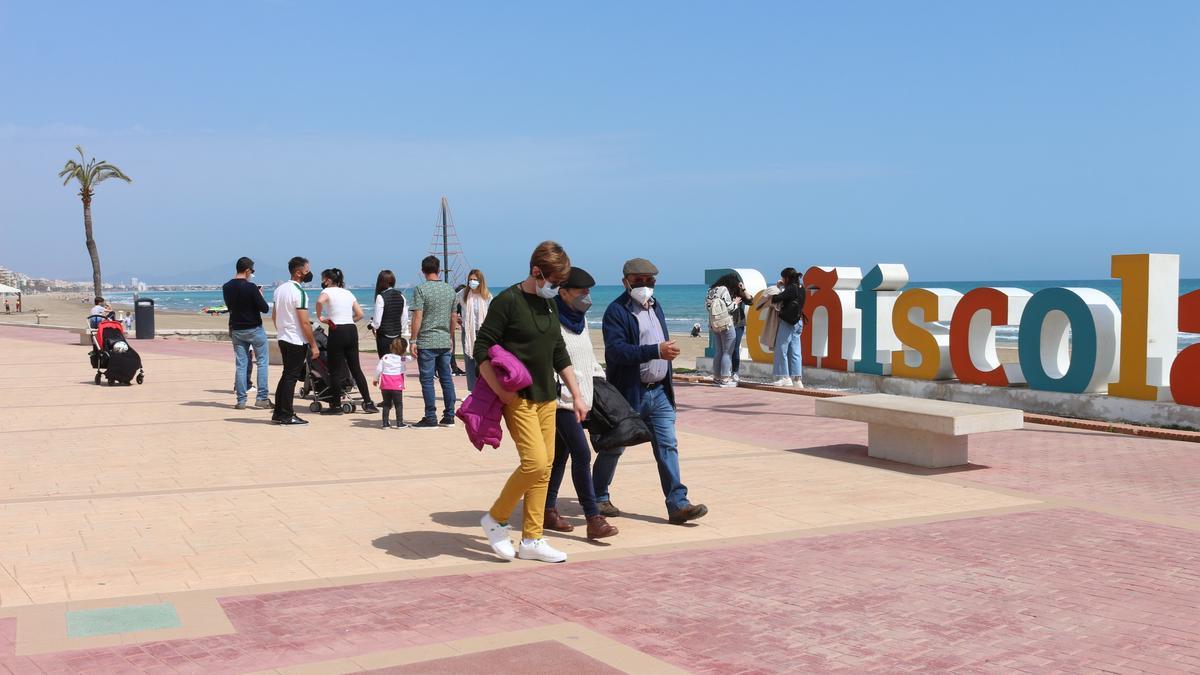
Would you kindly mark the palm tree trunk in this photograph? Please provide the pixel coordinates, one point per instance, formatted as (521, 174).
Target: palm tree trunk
(91, 244)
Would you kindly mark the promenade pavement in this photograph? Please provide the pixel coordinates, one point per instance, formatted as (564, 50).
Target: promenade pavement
(155, 528)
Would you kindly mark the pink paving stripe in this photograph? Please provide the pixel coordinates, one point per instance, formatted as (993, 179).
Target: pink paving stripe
(1139, 474)
(1040, 591)
(537, 657)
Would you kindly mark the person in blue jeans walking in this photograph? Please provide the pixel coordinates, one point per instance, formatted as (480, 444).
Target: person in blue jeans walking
(246, 305)
(433, 321)
(638, 353)
(790, 303)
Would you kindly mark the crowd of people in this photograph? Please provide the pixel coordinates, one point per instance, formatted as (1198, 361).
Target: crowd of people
(539, 324)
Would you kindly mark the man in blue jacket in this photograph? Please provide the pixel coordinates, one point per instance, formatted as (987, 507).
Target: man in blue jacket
(638, 353)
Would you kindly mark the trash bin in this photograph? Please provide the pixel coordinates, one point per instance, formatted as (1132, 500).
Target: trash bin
(143, 318)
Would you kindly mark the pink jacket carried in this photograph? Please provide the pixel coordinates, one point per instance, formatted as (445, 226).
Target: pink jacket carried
(482, 410)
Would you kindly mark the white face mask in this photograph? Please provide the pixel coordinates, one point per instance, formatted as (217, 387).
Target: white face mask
(642, 294)
(549, 291)
(473, 284)
(251, 276)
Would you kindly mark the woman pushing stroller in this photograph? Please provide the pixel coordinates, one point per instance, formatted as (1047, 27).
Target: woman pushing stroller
(338, 309)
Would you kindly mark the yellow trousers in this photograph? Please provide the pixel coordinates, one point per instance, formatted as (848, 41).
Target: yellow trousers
(531, 426)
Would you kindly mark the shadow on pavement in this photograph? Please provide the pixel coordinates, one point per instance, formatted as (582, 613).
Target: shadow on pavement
(857, 454)
(426, 544)
(211, 404)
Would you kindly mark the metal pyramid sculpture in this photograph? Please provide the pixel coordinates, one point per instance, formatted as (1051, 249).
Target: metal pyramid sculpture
(448, 248)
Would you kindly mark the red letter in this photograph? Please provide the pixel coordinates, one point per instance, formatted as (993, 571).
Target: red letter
(1185, 373)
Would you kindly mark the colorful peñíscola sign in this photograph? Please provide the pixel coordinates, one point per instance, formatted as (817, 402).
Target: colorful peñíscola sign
(1073, 340)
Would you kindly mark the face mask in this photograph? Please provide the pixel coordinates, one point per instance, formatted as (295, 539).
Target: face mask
(307, 277)
(582, 304)
(473, 284)
(548, 291)
(641, 294)
(251, 275)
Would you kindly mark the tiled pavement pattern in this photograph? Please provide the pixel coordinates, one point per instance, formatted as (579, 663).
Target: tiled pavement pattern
(1136, 474)
(1069, 551)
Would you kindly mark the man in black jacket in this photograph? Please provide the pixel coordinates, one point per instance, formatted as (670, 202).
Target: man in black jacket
(246, 305)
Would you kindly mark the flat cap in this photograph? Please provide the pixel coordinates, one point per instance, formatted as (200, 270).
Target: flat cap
(639, 266)
(578, 278)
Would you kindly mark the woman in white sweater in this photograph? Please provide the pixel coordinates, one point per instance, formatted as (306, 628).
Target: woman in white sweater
(574, 298)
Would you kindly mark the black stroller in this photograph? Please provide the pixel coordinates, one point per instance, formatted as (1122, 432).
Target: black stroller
(113, 357)
(317, 378)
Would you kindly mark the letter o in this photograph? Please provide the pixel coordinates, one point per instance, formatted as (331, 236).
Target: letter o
(1094, 322)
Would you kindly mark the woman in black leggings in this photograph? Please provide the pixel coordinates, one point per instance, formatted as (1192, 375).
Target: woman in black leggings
(339, 310)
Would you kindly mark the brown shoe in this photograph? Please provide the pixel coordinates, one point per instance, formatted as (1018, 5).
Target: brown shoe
(689, 512)
(555, 522)
(607, 509)
(598, 528)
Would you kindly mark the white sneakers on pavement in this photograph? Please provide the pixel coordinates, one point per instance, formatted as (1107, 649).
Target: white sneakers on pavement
(782, 382)
(797, 383)
(497, 535)
(540, 549)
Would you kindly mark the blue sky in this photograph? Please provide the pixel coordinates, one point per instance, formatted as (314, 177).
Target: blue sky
(1015, 140)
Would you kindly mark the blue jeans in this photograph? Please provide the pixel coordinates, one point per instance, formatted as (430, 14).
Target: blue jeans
(723, 353)
(571, 443)
(787, 350)
(243, 340)
(735, 359)
(429, 363)
(660, 417)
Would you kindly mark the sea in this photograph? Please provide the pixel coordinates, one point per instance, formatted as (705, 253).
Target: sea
(683, 303)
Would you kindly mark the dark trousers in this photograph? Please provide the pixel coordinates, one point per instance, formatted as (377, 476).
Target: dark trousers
(736, 357)
(293, 372)
(393, 398)
(383, 343)
(343, 353)
(571, 443)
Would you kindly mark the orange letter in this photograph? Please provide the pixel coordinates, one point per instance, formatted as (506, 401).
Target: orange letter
(914, 319)
(1149, 314)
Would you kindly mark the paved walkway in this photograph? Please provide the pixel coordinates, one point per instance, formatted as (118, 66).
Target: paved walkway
(155, 528)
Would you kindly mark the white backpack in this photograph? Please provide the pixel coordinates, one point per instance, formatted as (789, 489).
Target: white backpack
(720, 309)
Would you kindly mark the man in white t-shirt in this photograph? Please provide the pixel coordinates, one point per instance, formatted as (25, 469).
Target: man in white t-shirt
(293, 328)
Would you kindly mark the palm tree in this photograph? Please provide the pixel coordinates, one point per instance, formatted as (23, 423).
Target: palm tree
(90, 174)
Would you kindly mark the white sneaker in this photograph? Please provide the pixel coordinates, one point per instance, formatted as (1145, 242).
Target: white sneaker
(540, 549)
(797, 383)
(736, 378)
(728, 384)
(497, 535)
(782, 382)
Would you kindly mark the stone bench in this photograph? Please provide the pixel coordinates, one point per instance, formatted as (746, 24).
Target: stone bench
(919, 431)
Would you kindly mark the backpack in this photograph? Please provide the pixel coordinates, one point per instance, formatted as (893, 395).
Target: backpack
(613, 423)
(720, 313)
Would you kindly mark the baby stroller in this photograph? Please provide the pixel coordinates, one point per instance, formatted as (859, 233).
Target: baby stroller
(113, 357)
(317, 378)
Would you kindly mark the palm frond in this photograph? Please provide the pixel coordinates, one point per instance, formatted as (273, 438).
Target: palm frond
(71, 170)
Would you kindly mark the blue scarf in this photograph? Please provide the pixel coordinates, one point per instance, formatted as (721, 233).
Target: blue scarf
(575, 321)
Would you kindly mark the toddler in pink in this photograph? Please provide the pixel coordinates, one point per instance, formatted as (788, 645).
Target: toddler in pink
(389, 377)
